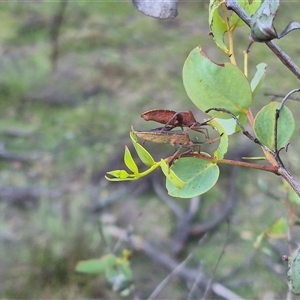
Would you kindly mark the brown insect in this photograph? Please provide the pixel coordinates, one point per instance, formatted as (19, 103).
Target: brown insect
(173, 119)
(177, 138)
(174, 138)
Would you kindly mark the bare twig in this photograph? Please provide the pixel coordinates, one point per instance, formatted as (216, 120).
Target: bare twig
(167, 262)
(184, 227)
(177, 210)
(54, 31)
(245, 132)
(282, 171)
(217, 263)
(285, 59)
(277, 114)
(162, 284)
(27, 197)
(18, 157)
(281, 96)
(226, 209)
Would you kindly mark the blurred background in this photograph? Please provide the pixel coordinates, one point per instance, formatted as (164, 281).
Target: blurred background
(73, 77)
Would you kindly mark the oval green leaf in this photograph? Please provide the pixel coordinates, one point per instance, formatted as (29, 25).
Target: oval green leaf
(200, 175)
(143, 154)
(264, 125)
(211, 85)
(96, 266)
(294, 272)
(129, 162)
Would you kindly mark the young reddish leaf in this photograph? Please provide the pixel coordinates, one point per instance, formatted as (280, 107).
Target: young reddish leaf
(200, 175)
(171, 176)
(129, 162)
(264, 125)
(211, 85)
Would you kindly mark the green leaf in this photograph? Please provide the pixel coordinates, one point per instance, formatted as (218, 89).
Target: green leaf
(129, 162)
(258, 77)
(294, 272)
(278, 229)
(120, 277)
(171, 176)
(229, 125)
(217, 26)
(262, 29)
(211, 85)
(264, 125)
(249, 8)
(259, 239)
(119, 175)
(200, 175)
(96, 266)
(143, 154)
(126, 270)
(223, 146)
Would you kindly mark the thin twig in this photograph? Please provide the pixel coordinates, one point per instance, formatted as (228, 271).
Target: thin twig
(245, 132)
(285, 59)
(195, 284)
(54, 32)
(281, 96)
(282, 171)
(184, 227)
(225, 211)
(161, 193)
(162, 284)
(217, 263)
(166, 261)
(287, 96)
(277, 114)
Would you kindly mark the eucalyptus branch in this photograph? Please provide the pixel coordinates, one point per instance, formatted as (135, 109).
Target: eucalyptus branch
(267, 168)
(283, 172)
(245, 132)
(274, 95)
(285, 59)
(275, 153)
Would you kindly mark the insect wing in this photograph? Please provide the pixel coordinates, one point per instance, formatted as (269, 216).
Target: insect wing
(162, 116)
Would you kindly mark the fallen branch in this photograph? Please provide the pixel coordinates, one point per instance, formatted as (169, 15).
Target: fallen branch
(164, 260)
